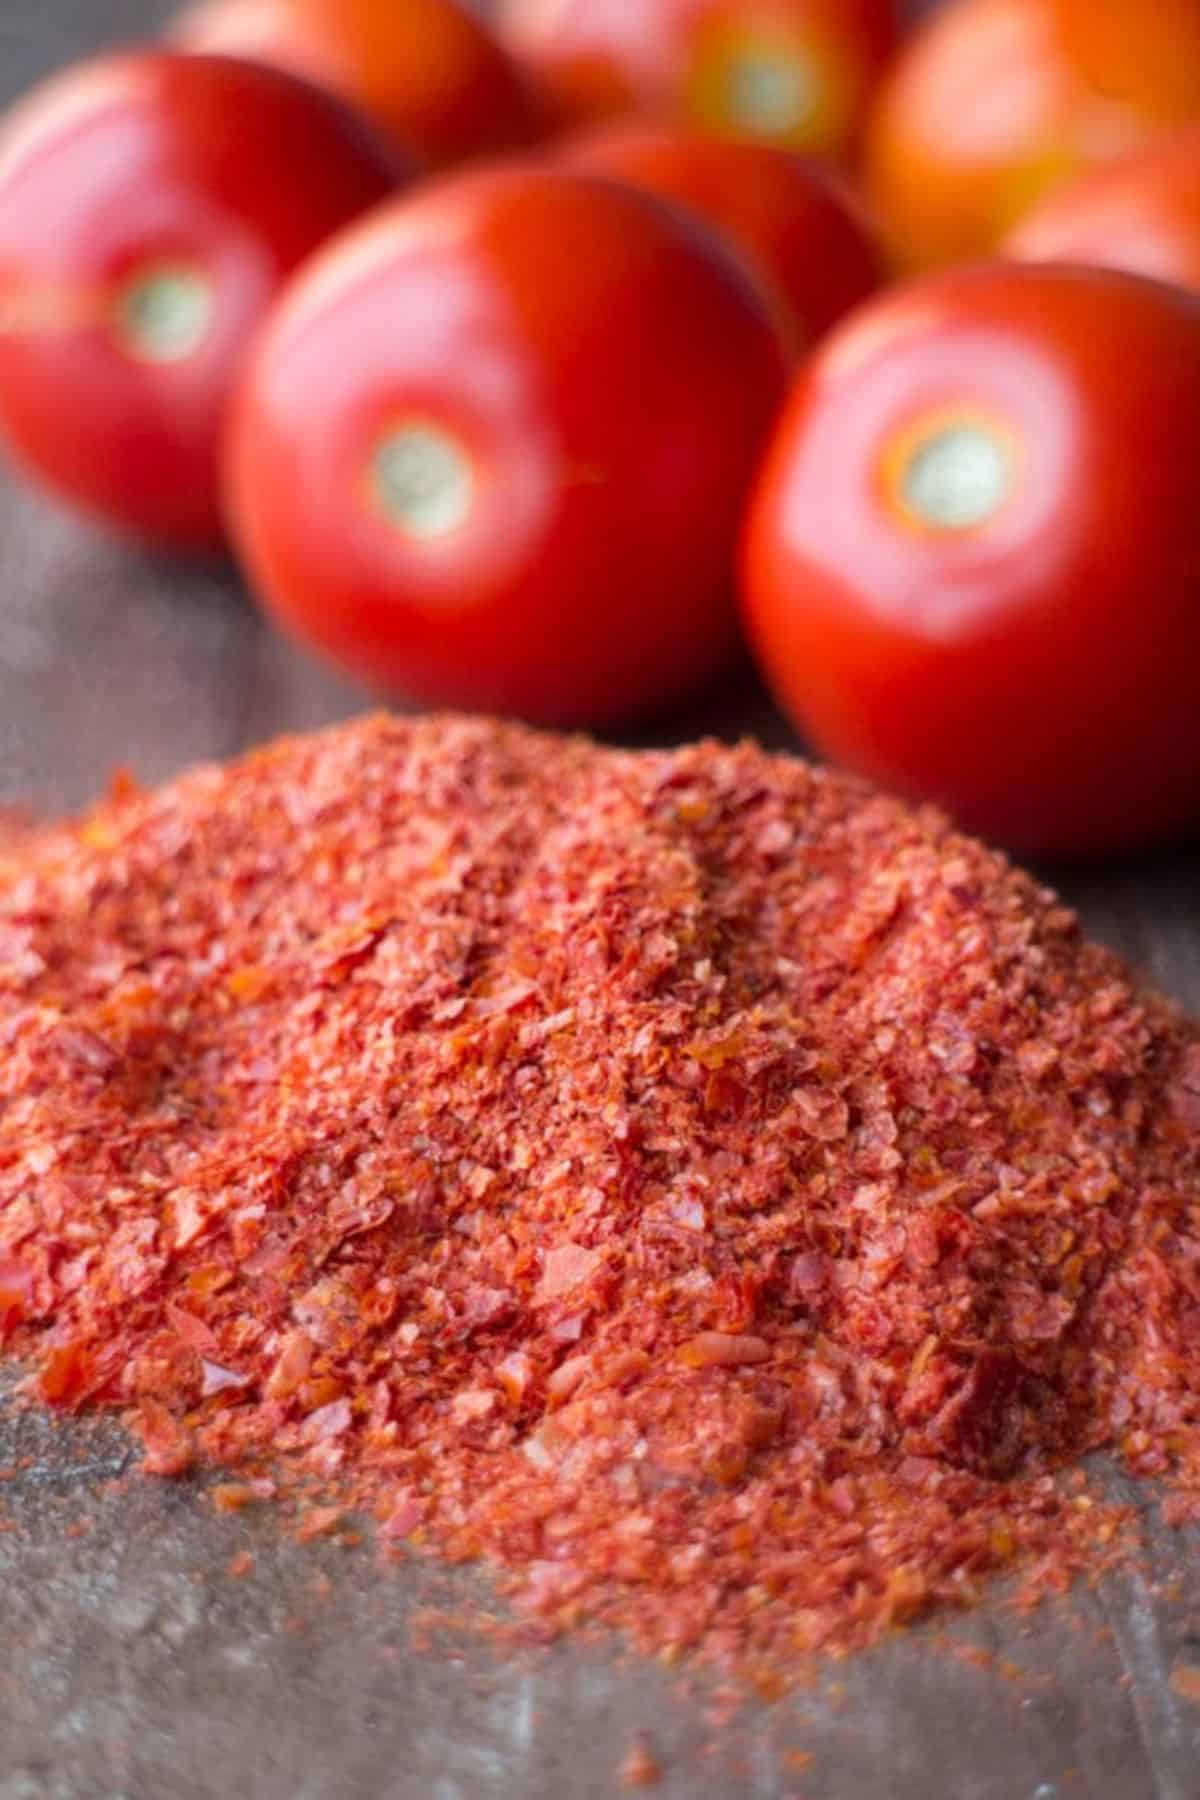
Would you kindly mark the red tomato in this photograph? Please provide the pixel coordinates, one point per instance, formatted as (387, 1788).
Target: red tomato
(151, 205)
(428, 71)
(996, 103)
(495, 447)
(794, 72)
(1141, 214)
(972, 569)
(794, 224)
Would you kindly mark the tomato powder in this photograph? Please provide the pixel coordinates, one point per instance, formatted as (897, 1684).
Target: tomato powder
(724, 1199)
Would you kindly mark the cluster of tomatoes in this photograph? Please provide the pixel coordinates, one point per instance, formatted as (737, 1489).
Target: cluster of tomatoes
(553, 432)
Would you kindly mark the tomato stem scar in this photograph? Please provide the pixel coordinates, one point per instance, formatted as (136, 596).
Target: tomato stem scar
(165, 311)
(768, 92)
(423, 480)
(952, 474)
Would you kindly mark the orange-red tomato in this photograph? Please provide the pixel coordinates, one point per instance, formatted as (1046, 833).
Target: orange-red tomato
(1141, 214)
(793, 222)
(151, 206)
(495, 448)
(995, 103)
(427, 70)
(792, 72)
(972, 569)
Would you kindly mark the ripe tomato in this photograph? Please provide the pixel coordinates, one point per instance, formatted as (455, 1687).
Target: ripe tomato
(972, 569)
(1141, 214)
(427, 71)
(150, 207)
(995, 103)
(793, 72)
(794, 224)
(495, 447)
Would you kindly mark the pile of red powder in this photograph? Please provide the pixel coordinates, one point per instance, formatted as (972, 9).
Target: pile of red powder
(725, 1199)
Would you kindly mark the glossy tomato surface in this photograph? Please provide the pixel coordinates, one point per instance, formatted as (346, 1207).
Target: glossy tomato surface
(793, 221)
(996, 103)
(972, 569)
(791, 72)
(428, 71)
(495, 448)
(1141, 214)
(151, 206)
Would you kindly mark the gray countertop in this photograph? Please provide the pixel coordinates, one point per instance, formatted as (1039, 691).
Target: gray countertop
(133, 1665)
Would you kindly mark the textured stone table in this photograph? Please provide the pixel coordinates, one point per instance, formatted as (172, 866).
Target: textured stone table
(132, 1665)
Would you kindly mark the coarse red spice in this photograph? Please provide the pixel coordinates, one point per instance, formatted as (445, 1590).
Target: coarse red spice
(724, 1198)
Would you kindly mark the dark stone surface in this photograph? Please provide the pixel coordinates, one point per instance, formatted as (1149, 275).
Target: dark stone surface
(132, 1667)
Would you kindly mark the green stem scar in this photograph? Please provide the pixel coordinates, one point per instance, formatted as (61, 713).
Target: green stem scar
(423, 480)
(165, 312)
(958, 478)
(768, 93)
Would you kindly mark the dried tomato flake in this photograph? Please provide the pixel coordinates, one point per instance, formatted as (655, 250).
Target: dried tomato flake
(1185, 1679)
(639, 1769)
(566, 1268)
(169, 1446)
(63, 1374)
(723, 1350)
(16, 1295)
(319, 1521)
(727, 1200)
(232, 1496)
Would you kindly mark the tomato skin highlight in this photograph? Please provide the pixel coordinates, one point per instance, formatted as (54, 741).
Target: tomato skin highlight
(793, 72)
(1031, 665)
(1141, 214)
(216, 175)
(790, 218)
(427, 71)
(601, 376)
(995, 104)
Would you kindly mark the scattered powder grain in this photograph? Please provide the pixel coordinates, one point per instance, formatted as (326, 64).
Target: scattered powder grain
(640, 1768)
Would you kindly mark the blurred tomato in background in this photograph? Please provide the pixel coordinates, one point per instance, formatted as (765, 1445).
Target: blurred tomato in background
(796, 224)
(495, 448)
(972, 571)
(496, 445)
(151, 207)
(792, 72)
(1141, 214)
(995, 103)
(429, 71)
